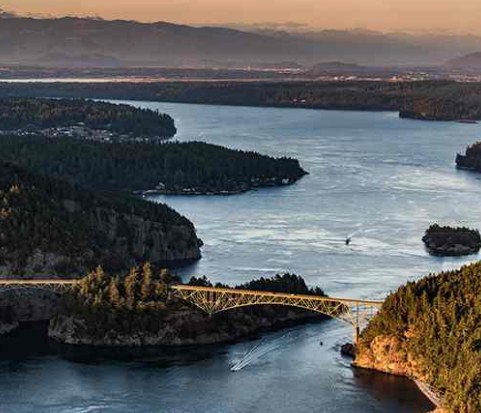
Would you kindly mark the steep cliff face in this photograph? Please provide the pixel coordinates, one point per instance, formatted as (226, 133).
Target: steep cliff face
(386, 354)
(48, 227)
(143, 239)
(185, 326)
(128, 240)
(25, 305)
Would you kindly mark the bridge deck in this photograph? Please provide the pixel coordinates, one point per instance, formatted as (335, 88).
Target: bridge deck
(38, 281)
(181, 287)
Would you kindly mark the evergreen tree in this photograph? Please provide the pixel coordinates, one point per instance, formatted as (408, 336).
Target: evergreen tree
(146, 288)
(131, 287)
(114, 293)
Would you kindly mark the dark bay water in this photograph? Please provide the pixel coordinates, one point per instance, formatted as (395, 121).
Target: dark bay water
(373, 176)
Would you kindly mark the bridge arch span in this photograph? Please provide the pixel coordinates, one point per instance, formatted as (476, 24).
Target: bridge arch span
(216, 300)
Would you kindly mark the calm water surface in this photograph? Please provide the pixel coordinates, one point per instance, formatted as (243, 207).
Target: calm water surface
(375, 177)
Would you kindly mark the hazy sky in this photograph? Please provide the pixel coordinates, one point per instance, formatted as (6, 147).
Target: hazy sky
(455, 15)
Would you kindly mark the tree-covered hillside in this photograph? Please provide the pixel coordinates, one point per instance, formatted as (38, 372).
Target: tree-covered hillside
(49, 226)
(141, 304)
(136, 302)
(180, 167)
(21, 113)
(438, 322)
(280, 283)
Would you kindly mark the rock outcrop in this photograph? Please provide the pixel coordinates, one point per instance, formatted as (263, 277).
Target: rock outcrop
(386, 354)
(349, 350)
(6, 328)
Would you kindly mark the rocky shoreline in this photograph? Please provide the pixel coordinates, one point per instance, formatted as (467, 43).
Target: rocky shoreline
(185, 327)
(240, 189)
(6, 328)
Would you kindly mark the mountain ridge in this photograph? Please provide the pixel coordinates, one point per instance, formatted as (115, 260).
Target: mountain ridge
(28, 40)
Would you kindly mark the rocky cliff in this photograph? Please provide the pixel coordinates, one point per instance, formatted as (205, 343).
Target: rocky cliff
(141, 239)
(388, 355)
(25, 305)
(127, 241)
(184, 326)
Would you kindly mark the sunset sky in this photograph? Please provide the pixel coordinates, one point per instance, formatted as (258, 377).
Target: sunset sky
(386, 15)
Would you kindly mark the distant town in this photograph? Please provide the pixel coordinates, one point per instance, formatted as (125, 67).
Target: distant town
(82, 132)
(322, 72)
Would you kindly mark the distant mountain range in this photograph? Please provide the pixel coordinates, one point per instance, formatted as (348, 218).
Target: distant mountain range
(470, 61)
(72, 41)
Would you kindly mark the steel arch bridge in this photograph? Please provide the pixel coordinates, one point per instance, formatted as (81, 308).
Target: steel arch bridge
(213, 300)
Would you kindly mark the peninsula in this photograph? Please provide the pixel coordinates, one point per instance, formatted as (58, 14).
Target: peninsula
(83, 119)
(184, 168)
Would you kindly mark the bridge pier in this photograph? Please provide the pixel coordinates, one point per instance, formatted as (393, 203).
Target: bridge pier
(357, 335)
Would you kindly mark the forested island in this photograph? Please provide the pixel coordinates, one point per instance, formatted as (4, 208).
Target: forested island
(471, 160)
(49, 227)
(30, 114)
(426, 100)
(140, 310)
(449, 241)
(170, 167)
(430, 330)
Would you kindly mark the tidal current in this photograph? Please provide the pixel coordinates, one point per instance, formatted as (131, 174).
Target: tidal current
(374, 177)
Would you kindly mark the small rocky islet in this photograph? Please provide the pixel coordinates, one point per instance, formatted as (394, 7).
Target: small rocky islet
(471, 159)
(451, 242)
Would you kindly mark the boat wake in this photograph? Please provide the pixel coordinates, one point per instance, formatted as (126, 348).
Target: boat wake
(261, 349)
(258, 351)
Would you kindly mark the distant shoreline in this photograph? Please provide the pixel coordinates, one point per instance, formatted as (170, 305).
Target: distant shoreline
(411, 99)
(213, 192)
